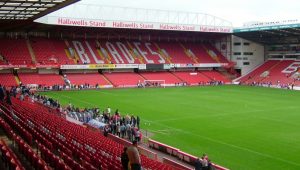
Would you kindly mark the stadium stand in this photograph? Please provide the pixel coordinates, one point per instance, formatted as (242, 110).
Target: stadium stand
(123, 79)
(192, 77)
(199, 51)
(216, 53)
(215, 75)
(90, 148)
(167, 76)
(15, 51)
(8, 80)
(41, 79)
(250, 77)
(88, 78)
(275, 73)
(50, 51)
(270, 72)
(177, 53)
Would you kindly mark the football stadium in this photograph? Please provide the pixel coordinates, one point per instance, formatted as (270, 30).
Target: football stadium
(88, 86)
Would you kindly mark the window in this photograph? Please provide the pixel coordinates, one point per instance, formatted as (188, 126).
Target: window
(236, 43)
(237, 53)
(246, 43)
(248, 53)
(246, 63)
(245, 58)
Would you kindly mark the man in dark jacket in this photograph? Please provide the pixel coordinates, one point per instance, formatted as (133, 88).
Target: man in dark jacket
(124, 159)
(198, 164)
(1, 93)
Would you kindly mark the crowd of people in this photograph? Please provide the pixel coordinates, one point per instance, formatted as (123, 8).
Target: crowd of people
(270, 84)
(211, 83)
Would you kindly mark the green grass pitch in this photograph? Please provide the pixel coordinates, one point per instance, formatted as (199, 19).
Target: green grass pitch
(238, 127)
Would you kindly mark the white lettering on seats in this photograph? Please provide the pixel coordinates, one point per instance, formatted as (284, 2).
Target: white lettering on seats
(291, 68)
(125, 52)
(154, 53)
(114, 52)
(143, 53)
(81, 52)
(93, 54)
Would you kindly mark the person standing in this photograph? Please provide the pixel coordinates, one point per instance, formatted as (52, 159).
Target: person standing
(134, 156)
(138, 122)
(8, 99)
(198, 164)
(124, 159)
(2, 94)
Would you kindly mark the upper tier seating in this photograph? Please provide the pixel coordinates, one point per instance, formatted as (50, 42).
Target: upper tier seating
(41, 79)
(220, 56)
(15, 51)
(124, 79)
(88, 78)
(50, 51)
(7, 80)
(200, 52)
(175, 52)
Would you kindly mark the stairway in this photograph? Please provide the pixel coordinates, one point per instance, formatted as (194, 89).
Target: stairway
(107, 80)
(135, 56)
(31, 52)
(75, 58)
(104, 58)
(167, 58)
(192, 57)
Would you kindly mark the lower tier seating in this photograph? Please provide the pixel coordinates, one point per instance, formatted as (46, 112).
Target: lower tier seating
(41, 79)
(192, 77)
(89, 78)
(7, 80)
(167, 76)
(124, 79)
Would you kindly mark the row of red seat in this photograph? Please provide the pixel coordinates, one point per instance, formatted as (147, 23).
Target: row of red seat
(8, 156)
(117, 79)
(32, 157)
(274, 73)
(23, 129)
(93, 149)
(51, 51)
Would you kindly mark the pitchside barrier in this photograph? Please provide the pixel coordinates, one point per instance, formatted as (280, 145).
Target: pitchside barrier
(175, 164)
(144, 151)
(177, 153)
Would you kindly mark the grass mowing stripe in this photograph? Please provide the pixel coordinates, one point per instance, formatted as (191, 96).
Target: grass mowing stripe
(228, 144)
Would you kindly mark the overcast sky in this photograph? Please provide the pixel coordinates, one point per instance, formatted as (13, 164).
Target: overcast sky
(236, 11)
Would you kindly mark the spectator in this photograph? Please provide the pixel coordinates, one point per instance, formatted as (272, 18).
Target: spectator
(2, 94)
(138, 122)
(124, 159)
(123, 130)
(8, 99)
(198, 164)
(134, 156)
(137, 135)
